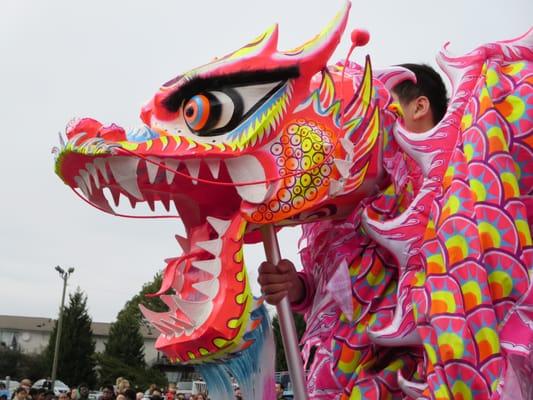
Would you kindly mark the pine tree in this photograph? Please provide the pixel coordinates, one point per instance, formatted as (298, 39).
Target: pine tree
(125, 342)
(75, 361)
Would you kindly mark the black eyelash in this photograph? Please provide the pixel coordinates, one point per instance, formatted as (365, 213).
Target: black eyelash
(198, 84)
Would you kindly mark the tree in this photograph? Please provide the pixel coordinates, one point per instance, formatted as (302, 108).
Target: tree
(124, 351)
(75, 361)
(17, 364)
(281, 363)
(125, 342)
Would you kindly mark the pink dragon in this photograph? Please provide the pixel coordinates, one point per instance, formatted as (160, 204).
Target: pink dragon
(416, 243)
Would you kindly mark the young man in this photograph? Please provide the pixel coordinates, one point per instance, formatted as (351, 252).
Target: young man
(422, 105)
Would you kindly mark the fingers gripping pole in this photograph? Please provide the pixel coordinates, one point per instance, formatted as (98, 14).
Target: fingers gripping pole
(286, 322)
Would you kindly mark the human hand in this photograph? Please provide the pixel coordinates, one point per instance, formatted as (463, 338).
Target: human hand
(278, 281)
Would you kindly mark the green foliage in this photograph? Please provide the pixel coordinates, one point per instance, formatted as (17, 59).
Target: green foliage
(281, 363)
(124, 351)
(111, 368)
(125, 342)
(17, 364)
(75, 361)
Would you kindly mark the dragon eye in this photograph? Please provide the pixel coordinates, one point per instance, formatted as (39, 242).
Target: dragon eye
(206, 113)
(216, 112)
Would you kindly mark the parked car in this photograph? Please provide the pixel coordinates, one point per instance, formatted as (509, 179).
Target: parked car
(59, 386)
(95, 395)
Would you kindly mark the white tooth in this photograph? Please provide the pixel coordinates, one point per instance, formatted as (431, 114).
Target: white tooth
(343, 166)
(81, 184)
(94, 173)
(334, 187)
(209, 288)
(152, 168)
(172, 166)
(248, 169)
(87, 180)
(124, 169)
(61, 140)
(219, 225)
(184, 243)
(101, 165)
(194, 169)
(212, 266)
(212, 246)
(196, 312)
(348, 146)
(214, 167)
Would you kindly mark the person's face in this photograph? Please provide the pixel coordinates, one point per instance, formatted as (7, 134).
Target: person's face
(121, 397)
(107, 394)
(279, 390)
(21, 395)
(62, 396)
(416, 114)
(84, 391)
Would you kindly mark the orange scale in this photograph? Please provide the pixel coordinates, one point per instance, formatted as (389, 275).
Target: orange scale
(496, 144)
(446, 352)
(438, 307)
(470, 301)
(509, 191)
(505, 108)
(455, 254)
(497, 290)
(486, 240)
(485, 349)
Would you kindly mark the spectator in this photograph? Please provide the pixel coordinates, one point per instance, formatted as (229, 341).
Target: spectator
(108, 392)
(62, 396)
(20, 393)
(49, 395)
(201, 396)
(130, 394)
(156, 395)
(279, 390)
(120, 396)
(180, 396)
(238, 393)
(83, 391)
(139, 395)
(122, 385)
(26, 384)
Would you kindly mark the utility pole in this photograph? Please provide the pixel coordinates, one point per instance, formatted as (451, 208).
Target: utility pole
(64, 275)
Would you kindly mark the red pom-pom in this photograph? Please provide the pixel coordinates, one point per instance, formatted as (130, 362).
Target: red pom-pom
(360, 37)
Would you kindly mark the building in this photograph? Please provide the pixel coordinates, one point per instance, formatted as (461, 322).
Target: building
(31, 335)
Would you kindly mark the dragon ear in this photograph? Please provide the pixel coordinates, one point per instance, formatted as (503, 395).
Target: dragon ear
(264, 44)
(313, 55)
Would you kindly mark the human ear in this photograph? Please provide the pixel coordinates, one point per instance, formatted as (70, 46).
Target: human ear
(422, 108)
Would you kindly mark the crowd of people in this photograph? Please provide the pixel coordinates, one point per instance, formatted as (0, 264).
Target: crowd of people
(121, 390)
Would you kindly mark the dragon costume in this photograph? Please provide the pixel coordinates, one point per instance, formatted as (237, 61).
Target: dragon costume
(418, 252)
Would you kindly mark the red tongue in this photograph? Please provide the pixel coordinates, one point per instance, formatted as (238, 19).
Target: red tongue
(92, 129)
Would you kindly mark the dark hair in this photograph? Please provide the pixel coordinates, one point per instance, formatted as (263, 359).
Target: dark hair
(130, 394)
(20, 389)
(428, 83)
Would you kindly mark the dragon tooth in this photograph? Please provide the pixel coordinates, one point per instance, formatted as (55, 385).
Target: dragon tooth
(195, 311)
(100, 164)
(124, 170)
(211, 246)
(87, 180)
(343, 166)
(219, 225)
(244, 169)
(209, 288)
(172, 166)
(213, 266)
(81, 184)
(94, 173)
(214, 167)
(61, 140)
(152, 167)
(184, 243)
(335, 187)
(348, 146)
(165, 200)
(156, 319)
(193, 166)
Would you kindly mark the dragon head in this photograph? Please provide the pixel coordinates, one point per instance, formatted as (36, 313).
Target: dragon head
(259, 136)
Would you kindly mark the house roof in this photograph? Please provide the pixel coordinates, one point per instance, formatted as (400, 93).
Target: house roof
(46, 325)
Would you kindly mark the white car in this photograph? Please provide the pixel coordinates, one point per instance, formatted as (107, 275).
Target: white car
(59, 386)
(12, 386)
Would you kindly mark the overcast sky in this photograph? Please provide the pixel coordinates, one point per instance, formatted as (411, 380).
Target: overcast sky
(104, 59)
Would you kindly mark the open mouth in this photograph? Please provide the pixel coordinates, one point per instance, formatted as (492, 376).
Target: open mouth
(117, 179)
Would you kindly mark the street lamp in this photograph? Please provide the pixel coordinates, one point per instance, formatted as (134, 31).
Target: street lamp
(64, 275)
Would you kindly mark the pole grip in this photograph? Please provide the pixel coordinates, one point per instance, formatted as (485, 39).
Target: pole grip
(286, 321)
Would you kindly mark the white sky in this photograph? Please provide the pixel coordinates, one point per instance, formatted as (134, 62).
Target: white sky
(104, 59)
